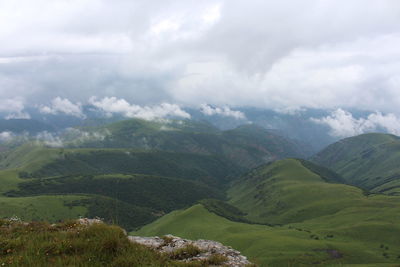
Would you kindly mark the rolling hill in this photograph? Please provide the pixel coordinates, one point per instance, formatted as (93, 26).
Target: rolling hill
(370, 161)
(294, 216)
(247, 146)
(287, 191)
(125, 185)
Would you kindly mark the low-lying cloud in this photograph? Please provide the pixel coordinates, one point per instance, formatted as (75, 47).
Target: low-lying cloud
(62, 105)
(343, 124)
(222, 111)
(13, 108)
(6, 136)
(113, 105)
(49, 139)
(281, 55)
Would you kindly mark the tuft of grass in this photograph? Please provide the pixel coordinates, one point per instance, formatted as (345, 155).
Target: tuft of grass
(217, 259)
(72, 244)
(186, 252)
(167, 240)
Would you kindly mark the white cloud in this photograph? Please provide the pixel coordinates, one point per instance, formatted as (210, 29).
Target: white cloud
(112, 105)
(343, 124)
(14, 107)
(74, 137)
(222, 52)
(222, 111)
(6, 136)
(49, 139)
(62, 105)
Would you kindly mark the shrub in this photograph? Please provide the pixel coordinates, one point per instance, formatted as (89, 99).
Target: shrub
(216, 259)
(186, 252)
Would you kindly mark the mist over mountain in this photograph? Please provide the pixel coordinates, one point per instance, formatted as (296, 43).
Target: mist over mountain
(272, 127)
(315, 128)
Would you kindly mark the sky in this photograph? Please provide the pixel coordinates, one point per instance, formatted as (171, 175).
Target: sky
(283, 55)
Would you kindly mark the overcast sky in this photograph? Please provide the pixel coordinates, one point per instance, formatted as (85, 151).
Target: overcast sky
(274, 54)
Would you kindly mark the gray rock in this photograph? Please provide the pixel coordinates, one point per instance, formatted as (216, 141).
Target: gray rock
(169, 244)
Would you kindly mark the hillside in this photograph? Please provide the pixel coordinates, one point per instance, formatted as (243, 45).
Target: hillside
(37, 161)
(155, 192)
(246, 146)
(370, 161)
(120, 185)
(86, 242)
(311, 219)
(24, 125)
(287, 191)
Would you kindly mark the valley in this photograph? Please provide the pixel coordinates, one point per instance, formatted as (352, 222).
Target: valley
(246, 187)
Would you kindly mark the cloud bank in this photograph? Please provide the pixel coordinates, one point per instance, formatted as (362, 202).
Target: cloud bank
(343, 124)
(111, 105)
(62, 105)
(223, 111)
(13, 108)
(6, 136)
(281, 55)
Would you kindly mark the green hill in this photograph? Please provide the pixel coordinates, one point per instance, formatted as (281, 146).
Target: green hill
(311, 220)
(246, 146)
(290, 245)
(287, 191)
(36, 161)
(162, 194)
(370, 161)
(71, 243)
(125, 185)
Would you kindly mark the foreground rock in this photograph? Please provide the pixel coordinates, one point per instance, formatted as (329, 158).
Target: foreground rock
(207, 251)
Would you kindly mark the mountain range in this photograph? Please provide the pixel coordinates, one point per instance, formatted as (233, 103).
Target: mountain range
(248, 187)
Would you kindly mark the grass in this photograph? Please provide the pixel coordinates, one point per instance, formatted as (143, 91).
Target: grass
(369, 161)
(246, 146)
(315, 221)
(157, 193)
(186, 252)
(217, 259)
(72, 244)
(292, 245)
(286, 192)
(33, 161)
(9, 180)
(50, 208)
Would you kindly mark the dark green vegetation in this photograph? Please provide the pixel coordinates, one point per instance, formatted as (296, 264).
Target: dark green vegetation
(370, 161)
(247, 146)
(302, 219)
(224, 209)
(157, 194)
(286, 212)
(166, 180)
(72, 244)
(42, 162)
(139, 168)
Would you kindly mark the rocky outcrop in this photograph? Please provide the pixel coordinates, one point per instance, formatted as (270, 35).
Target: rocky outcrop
(88, 222)
(207, 251)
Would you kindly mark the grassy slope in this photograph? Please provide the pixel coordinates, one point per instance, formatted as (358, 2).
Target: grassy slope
(370, 161)
(72, 244)
(30, 156)
(247, 146)
(139, 197)
(286, 191)
(47, 207)
(316, 215)
(50, 208)
(38, 161)
(158, 193)
(291, 245)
